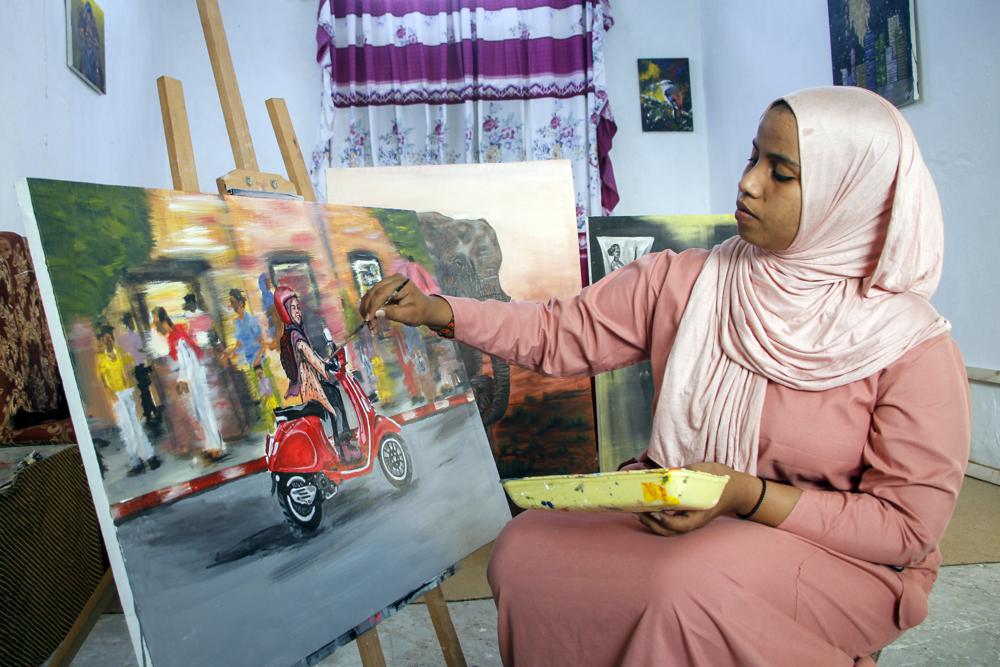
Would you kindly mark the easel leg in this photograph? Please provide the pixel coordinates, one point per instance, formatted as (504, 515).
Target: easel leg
(370, 649)
(98, 602)
(437, 607)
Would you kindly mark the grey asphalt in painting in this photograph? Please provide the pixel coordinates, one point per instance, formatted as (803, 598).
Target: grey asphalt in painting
(219, 579)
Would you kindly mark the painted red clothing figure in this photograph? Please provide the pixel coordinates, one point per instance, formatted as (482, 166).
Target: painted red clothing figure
(178, 333)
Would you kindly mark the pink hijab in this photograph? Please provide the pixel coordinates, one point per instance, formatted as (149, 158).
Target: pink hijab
(845, 300)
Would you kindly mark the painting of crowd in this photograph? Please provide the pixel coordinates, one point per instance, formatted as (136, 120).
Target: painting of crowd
(183, 360)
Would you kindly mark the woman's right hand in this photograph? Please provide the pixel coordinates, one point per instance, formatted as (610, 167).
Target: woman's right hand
(401, 301)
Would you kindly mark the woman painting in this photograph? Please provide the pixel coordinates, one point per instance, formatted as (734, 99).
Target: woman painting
(803, 360)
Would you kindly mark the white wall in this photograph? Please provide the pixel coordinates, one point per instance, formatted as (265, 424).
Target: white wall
(55, 126)
(986, 427)
(771, 47)
(657, 172)
(756, 50)
(957, 122)
(273, 45)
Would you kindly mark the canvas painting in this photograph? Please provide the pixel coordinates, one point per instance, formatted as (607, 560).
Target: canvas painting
(665, 95)
(500, 231)
(85, 42)
(624, 397)
(269, 474)
(873, 45)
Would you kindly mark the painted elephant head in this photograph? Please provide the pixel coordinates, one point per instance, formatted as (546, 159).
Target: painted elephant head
(467, 259)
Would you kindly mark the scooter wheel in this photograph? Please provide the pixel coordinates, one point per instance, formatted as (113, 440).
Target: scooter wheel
(394, 459)
(301, 502)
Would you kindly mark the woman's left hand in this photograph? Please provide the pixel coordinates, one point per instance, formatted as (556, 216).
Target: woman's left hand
(740, 494)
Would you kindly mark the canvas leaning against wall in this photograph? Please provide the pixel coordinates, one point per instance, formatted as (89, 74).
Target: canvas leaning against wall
(624, 397)
(873, 45)
(500, 231)
(269, 474)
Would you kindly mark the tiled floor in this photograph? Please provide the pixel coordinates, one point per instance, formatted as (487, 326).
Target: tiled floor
(963, 628)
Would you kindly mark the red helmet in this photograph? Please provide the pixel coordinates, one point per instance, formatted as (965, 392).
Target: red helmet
(281, 296)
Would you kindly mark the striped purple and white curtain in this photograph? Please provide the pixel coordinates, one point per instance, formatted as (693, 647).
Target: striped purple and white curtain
(445, 81)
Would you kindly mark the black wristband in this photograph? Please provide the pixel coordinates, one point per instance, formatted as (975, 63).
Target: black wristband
(760, 500)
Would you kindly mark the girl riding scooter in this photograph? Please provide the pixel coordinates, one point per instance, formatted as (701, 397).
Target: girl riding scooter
(307, 371)
(307, 465)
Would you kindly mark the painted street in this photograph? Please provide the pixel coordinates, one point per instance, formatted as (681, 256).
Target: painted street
(205, 569)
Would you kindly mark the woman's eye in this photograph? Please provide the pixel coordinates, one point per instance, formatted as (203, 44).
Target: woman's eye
(783, 179)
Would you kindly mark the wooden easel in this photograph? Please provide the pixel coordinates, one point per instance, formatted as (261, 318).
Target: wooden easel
(246, 176)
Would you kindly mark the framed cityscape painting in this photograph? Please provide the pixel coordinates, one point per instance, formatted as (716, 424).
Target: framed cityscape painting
(85, 42)
(665, 95)
(873, 45)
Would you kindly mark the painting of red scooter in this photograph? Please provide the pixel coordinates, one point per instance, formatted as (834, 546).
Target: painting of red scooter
(315, 447)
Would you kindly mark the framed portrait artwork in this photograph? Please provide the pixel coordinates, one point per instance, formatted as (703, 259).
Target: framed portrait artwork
(624, 397)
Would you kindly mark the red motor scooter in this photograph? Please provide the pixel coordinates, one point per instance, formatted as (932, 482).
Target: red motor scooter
(307, 466)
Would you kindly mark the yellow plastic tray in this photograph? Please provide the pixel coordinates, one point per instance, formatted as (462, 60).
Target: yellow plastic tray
(625, 491)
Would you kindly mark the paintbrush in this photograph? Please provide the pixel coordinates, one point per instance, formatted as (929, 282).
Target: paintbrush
(392, 296)
(389, 300)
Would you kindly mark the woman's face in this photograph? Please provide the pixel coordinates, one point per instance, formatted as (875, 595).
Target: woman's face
(769, 203)
(294, 311)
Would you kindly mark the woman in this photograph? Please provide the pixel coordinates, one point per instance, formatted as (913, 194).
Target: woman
(303, 367)
(192, 379)
(803, 360)
(306, 370)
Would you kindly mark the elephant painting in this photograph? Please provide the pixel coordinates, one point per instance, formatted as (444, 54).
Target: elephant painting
(467, 261)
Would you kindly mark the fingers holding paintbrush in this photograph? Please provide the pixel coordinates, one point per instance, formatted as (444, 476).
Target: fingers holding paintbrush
(388, 293)
(399, 300)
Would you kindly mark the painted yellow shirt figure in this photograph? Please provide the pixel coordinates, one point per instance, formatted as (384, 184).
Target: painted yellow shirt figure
(113, 370)
(383, 381)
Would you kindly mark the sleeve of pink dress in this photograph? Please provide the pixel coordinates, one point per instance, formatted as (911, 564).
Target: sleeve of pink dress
(605, 327)
(917, 448)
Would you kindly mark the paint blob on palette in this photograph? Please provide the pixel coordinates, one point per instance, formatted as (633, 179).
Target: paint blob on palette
(258, 459)
(625, 491)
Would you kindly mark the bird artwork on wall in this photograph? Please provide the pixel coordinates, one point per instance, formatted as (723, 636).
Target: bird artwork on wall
(665, 95)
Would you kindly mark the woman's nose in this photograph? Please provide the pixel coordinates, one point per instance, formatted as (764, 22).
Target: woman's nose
(749, 184)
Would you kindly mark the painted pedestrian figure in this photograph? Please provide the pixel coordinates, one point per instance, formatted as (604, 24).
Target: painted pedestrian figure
(307, 374)
(133, 345)
(193, 381)
(615, 253)
(114, 367)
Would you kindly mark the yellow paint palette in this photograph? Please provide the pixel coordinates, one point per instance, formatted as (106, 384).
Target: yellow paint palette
(625, 491)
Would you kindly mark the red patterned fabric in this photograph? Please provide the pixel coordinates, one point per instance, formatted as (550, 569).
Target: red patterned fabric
(29, 377)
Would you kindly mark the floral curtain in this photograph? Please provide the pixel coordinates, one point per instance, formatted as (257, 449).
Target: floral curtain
(444, 81)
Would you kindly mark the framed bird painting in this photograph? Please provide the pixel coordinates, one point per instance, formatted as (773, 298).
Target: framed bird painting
(665, 95)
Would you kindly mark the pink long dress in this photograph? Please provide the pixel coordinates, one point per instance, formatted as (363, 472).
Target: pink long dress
(880, 461)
